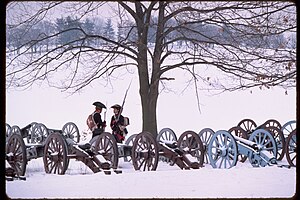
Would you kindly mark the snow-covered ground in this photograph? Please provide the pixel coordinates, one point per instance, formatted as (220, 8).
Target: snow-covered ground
(176, 111)
(241, 181)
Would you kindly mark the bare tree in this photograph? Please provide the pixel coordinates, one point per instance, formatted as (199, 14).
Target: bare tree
(231, 37)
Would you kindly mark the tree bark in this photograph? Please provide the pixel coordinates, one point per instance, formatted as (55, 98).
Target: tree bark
(149, 96)
(148, 91)
(149, 85)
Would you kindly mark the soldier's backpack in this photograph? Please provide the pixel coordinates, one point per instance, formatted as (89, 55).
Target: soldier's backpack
(91, 122)
(126, 121)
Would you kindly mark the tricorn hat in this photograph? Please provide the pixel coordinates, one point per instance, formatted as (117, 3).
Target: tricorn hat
(99, 104)
(117, 106)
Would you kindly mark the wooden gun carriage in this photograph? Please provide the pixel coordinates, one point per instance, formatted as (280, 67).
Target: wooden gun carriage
(144, 151)
(285, 143)
(224, 148)
(97, 154)
(25, 144)
(284, 135)
(186, 153)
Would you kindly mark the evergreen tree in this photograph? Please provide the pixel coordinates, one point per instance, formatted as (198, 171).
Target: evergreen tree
(68, 34)
(109, 30)
(89, 27)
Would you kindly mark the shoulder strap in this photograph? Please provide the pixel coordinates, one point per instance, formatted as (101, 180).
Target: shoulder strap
(93, 117)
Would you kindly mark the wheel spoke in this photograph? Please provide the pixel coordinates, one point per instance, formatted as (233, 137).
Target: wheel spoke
(268, 142)
(141, 162)
(222, 159)
(264, 139)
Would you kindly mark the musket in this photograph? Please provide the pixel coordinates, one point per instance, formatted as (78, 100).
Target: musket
(119, 114)
(105, 113)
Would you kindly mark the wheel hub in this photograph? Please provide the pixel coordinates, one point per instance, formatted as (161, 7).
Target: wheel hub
(259, 147)
(224, 151)
(54, 156)
(144, 154)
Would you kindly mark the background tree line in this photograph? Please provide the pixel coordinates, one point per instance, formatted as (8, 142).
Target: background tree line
(35, 36)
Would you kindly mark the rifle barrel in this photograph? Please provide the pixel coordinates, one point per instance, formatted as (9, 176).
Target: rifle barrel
(119, 114)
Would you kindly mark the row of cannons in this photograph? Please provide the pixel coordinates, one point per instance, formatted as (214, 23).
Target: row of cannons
(262, 145)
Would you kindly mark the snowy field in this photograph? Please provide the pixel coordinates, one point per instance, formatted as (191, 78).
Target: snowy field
(176, 111)
(167, 182)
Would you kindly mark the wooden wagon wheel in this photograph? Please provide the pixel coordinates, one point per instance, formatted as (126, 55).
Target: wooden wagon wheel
(291, 148)
(70, 130)
(7, 130)
(279, 139)
(205, 136)
(272, 123)
(248, 125)
(129, 142)
(145, 152)
(190, 142)
(31, 132)
(222, 150)
(15, 130)
(16, 153)
(166, 134)
(106, 145)
(238, 131)
(288, 127)
(55, 154)
(264, 141)
(39, 134)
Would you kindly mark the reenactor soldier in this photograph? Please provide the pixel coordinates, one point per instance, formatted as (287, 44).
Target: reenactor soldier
(94, 121)
(118, 124)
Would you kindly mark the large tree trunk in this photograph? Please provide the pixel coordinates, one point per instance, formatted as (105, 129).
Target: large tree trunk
(149, 96)
(148, 93)
(149, 86)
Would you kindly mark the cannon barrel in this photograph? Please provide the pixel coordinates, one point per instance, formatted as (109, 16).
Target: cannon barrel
(246, 142)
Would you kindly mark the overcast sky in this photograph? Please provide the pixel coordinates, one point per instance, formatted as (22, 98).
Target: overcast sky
(17, 12)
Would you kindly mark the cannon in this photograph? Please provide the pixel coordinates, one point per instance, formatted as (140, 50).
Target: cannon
(18, 153)
(125, 150)
(205, 136)
(239, 132)
(291, 148)
(259, 148)
(288, 128)
(33, 132)
(25, 144)
(248, 125)
(289, 132)
(272, 126)
(98, 155)
(166, 135)
(7, 130)
(144, 151)
(121, 150)
(164, 148)
(186, 153)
